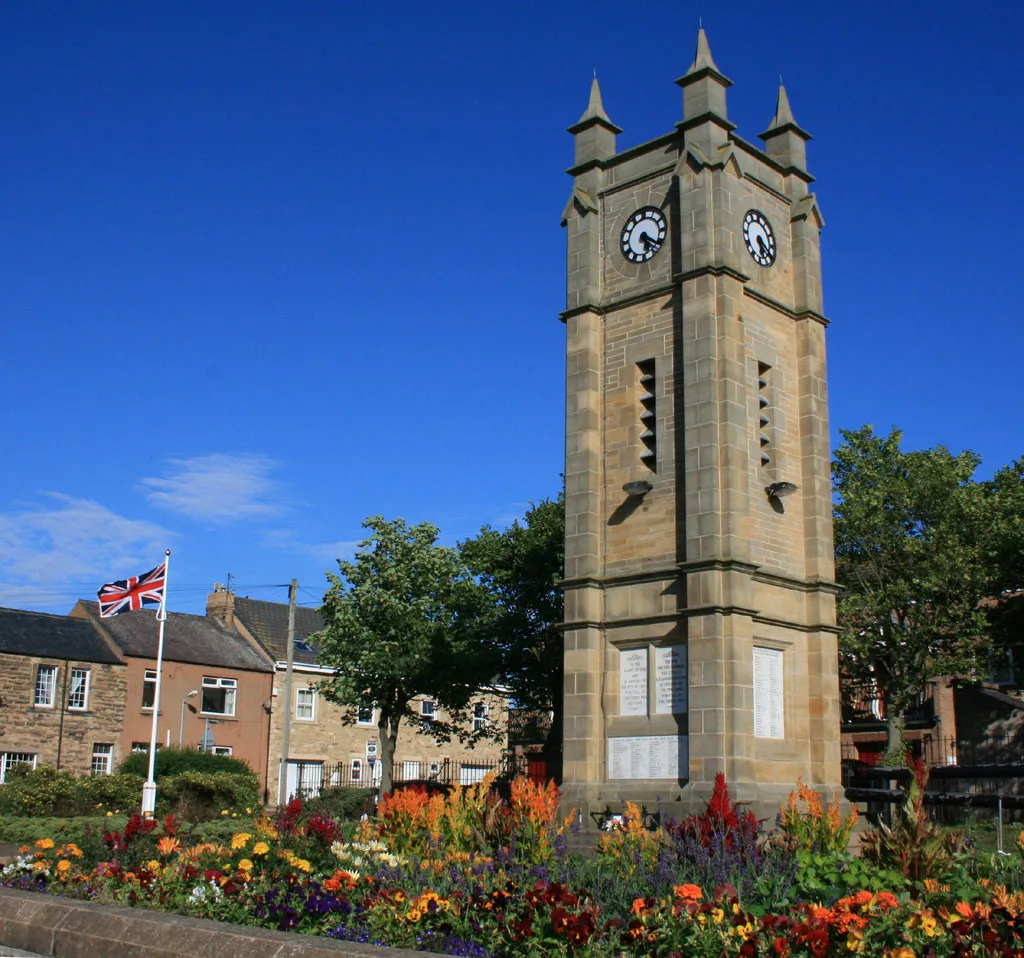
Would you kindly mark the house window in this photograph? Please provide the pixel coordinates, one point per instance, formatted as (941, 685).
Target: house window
(479, 717)
(305, 704)
(149, 689)
(428, 708)
(764, 422)
(365, 715)
(9, 760)
(46, 683)
(78, 693)
(221, 749)
(102, 759)
(357, 770)
(141, 746)
(219, 695)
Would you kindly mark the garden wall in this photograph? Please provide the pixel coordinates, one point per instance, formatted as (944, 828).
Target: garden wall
(64, 928)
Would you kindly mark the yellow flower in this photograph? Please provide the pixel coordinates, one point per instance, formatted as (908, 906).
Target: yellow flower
(153, 865)
(248, 811)
(413, 915)
(62, 867)
(39, 867)
(238, 841)
(44, 843)
(224, 812)
(260, 848)
(245, 865)
(301, 864)
(73, 850)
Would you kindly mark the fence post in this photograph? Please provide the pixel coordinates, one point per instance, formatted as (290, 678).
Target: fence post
(999, 833)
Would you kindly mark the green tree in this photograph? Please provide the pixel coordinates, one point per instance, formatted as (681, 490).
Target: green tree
(404, 619)
(1005, 604)
(522, 567)
(914, 555)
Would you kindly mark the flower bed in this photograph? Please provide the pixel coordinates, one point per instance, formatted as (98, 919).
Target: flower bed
(470, 874)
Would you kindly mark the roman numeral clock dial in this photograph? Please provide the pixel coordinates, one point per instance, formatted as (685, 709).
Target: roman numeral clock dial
(759, 238)
(643, 235)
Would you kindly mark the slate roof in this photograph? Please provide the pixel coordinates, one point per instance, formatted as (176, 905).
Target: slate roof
(267, 623)
(196, 639)
(53, 636)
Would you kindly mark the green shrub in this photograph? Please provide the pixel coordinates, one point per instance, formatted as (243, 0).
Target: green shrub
(172, 761)
(341, 804)
(18, 830)
(200, 796)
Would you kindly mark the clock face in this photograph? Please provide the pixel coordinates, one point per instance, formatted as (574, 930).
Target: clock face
(760, 240)
(643, 235)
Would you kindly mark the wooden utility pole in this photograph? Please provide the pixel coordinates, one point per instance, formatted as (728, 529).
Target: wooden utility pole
(282, 779)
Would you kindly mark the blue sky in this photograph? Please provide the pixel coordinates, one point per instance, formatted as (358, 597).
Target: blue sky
(269, 268)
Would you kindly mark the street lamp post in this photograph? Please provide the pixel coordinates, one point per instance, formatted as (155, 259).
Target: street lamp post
(181, 724)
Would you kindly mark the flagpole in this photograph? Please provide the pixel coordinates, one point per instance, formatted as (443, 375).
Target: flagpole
(149, 789)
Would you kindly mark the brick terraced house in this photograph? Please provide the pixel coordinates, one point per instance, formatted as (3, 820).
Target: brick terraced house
(62, 694)
(216, 683)
(321, 749)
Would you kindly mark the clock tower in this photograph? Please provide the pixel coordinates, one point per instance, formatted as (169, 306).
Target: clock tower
(700, 630)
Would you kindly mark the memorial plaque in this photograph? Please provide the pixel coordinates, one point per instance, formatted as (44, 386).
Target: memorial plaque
(648, 757)
(670, 682)
(633, 682)
(768, 701)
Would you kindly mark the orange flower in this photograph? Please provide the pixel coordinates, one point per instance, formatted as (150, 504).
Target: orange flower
(886, 899)
(688, 892)
(166, 846)
(639, 906)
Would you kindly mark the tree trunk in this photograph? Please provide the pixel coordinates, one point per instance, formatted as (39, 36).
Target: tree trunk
(387, 726)
(552, 750)
(894, 730)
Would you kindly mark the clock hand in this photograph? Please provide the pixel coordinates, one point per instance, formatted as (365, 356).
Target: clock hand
(648, 241)
(761, 246)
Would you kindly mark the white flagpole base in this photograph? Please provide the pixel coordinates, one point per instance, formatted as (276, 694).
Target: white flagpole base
(149, 799)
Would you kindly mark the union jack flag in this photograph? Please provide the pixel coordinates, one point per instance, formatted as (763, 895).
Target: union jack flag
(128, 595)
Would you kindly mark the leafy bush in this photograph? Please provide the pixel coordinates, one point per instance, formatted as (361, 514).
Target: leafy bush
(341, 804)
(47, 791)
(18, 830)
(200, 796)
(172, 761)
(913, 845)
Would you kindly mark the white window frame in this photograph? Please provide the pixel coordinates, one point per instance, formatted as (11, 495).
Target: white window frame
(230, 687)
(9, 759)
(104, 751)
(221, 750)
(480, 717)
(140, 746)
(53, 672)
(373, 715)
(428, 708)
(148, 680)
(309, 705)
(72, 691)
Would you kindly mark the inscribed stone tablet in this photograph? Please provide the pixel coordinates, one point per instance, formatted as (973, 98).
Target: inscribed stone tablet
(648, 757)
(633, 682)
(768, 685)
(670, 680)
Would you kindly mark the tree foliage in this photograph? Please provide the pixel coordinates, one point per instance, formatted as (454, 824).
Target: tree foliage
(522, 567)
(916, 552)
(404, 619)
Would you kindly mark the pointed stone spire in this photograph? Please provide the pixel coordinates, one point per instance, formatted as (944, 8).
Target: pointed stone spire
(595, 133)
(704, 87)
(785, 141)
(702, 59)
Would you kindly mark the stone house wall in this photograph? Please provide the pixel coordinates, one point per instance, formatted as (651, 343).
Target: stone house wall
(39, 731)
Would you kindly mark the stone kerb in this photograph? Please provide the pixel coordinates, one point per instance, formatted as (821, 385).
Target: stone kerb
(64, 928)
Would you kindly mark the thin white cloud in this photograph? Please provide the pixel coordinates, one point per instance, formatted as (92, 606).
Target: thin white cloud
(65, 545)
(288, 541)
(223, 487)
